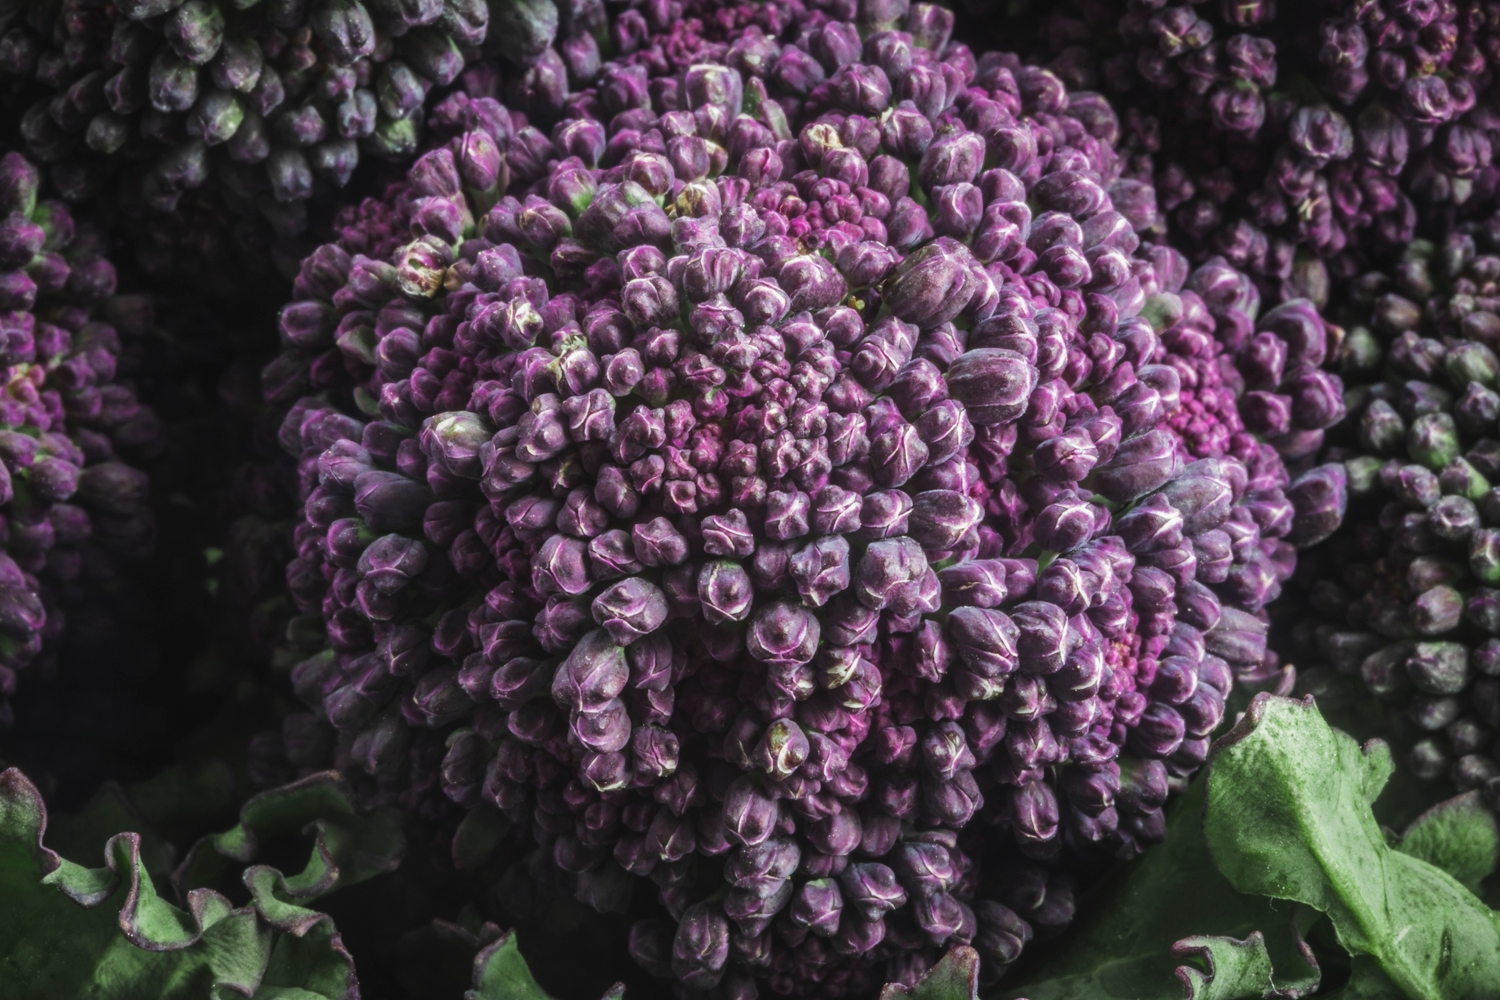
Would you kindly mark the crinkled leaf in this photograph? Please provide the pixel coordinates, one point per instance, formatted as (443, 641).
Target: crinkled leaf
(1125, 943)
(67, 931)
(1288, 816)
(1460, 836)
(86, 833)
(501, 973)
(347, 847)
(1345, 703)
(314, 965)
(954, 977)
(1230, 970)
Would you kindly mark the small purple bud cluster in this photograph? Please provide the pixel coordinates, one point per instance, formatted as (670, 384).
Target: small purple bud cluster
(1405, 596)
(272, 100)
(834, 516)
(68, 505)
(1398, 111)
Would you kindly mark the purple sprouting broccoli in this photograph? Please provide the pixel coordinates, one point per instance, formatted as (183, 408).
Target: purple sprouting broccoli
(1406, 595)
(802, 488)
(1319, 123)
(270, 103)
(71, 507)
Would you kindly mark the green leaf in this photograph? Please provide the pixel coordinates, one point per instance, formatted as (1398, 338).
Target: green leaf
(1288, 816)
(1232, 970)
(1460, 836)
(347, 848)
(500, 973)
(954, 977)
(1134, 931)
(67, 931)
(1367, 982)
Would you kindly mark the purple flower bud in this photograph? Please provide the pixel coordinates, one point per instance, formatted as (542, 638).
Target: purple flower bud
(1142, 464)
(387, 501)
(1319, 497)
(659, 543)
(796, 71)
(593, 674)
(764, 301)
(993, 384)
(561, 566)
(390, 562)
(978, 583)
(1159, 733)
(1201, 497)
(861, 88)
(888, 571)
(630, 609)
(701, 946)
(1066, 524)
(933, 285)
(726, 593)
(650, 301)
(813, 283)
(817, 906)
(836, 44)
(820, 570)
(1298, 324)
(918, 386)
(782, 748)
(896, 454)
(605, 730)
(943, 918)
(866, 263)
(945, 427)
(952, 158)
(728, 535)
(655, 752)
(783, 634)
(985, 640)
(1034, 812)
(1066, 458)
(1151, 526)
(749, 814)
(871, 890)
(940, 518)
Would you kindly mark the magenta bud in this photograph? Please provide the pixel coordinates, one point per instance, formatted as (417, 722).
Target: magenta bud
(630, 609)
(1319, 498)
(749, 814)
(817, 906)
(933, 285)
(940, 518)
(865, 263)
(593, 674)
(1142, 464)
(726, 593)
(820, 569)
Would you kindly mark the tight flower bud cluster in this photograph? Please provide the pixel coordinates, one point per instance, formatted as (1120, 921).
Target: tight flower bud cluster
(1321, 119)
(272, 100)
(835, 516)
(68, 505)
(1406, 594)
